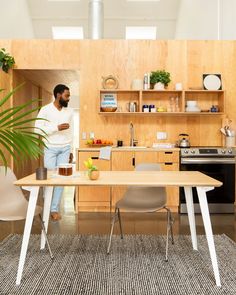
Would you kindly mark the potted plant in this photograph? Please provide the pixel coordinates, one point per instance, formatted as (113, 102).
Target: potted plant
(160, 79)
(6, 60)
(93, 172)
(17, 136)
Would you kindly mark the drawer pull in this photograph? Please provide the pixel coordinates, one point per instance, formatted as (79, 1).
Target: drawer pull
(168, 153)
(168, 163)
(94, 158)
(133, 161)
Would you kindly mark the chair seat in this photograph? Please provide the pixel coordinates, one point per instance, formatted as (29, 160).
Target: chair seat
(143, 199)
(17, 213)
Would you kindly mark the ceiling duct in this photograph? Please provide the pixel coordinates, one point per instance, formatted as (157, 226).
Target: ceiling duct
(96, 19)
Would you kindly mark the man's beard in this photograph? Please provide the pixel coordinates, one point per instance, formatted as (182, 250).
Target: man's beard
(63, 103)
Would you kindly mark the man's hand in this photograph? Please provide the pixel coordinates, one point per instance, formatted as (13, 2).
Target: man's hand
(71, 158)
(63, 126)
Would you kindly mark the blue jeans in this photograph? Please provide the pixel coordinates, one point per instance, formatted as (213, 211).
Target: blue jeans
(53, 156)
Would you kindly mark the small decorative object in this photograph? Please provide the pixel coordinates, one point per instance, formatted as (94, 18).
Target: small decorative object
(41, 173)
(137, 84)
(178, 86)
(160, 77)
(65, 169)
(110, 82)
(93, 172)
(6, 61)
(212, 81)
(108, 102)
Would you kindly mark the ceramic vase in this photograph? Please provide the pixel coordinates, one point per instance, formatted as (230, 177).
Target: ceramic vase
(93, 175)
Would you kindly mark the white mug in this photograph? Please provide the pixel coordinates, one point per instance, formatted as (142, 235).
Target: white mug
(178, 86)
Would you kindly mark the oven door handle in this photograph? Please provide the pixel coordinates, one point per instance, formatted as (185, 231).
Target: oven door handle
(208, 161)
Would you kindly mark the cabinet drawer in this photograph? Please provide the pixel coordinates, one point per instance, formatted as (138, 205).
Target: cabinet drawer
(169, 166)
(169, 156)
(103, 165)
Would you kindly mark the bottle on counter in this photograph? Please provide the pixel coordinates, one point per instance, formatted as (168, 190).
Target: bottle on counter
(145, 82)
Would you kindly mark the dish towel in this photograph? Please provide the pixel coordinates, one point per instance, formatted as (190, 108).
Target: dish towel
(105, 153)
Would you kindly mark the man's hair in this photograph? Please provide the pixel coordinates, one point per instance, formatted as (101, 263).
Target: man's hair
(60, 88)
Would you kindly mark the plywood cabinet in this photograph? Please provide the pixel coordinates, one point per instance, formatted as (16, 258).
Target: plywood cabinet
(93, 199)
(121, 161)
(169, 160)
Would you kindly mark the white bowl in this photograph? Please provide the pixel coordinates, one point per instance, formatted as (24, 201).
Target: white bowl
(191, 103)
(193, 109)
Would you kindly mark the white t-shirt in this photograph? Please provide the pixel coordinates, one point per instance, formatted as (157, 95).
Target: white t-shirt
(55, 138)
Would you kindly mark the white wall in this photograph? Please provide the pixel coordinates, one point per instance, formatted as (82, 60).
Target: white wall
(15, 20)
(197, 19)
(228, 20)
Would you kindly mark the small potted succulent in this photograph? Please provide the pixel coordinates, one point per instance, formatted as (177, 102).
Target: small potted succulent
(6, 60)
(93, 172)
(160, 79)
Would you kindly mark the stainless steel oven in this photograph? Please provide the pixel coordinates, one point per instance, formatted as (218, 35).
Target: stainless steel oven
(218, 163)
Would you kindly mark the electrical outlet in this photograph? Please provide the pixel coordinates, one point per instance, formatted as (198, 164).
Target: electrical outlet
(91, 135)
(161, 135)
(84, 135)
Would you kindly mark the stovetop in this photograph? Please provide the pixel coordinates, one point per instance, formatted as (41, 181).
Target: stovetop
(208, 151)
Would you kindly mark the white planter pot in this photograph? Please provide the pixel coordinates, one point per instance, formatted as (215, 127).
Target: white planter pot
(159, 86)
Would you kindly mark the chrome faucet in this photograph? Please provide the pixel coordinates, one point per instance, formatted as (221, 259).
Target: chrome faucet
(133, 141)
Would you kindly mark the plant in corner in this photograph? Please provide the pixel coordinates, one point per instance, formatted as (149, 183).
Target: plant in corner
(93, 172)
(161, 76)
(17, 136)
(6, 60)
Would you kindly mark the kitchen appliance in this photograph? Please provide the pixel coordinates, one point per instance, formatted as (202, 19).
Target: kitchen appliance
(217, 162)
(183, 141)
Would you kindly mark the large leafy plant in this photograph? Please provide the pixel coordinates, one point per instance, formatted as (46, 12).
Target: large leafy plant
(17, 135)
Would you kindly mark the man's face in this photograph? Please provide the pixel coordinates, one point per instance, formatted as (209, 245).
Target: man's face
(64, 98)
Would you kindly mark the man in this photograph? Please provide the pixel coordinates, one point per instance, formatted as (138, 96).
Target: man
(59, 129)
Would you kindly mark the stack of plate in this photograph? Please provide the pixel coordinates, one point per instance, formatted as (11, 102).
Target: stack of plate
(192, 106)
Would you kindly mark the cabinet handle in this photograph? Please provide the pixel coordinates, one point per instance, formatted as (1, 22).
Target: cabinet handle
(168, 163)
(94, 158)
(168, 153)
(133, 161)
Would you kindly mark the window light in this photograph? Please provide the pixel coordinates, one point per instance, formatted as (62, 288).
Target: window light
(141, 33)
(67, 33)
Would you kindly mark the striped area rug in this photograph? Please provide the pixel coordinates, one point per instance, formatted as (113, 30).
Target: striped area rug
(135, 266)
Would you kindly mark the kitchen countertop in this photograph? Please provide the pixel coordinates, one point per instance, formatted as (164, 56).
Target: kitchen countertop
(125, 149)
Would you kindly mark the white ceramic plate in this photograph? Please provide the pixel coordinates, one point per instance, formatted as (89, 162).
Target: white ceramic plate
(212, 82)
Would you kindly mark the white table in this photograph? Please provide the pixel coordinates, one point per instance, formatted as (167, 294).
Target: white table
(186, 179)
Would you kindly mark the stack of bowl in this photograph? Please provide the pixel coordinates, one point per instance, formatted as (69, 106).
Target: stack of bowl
(192, 106)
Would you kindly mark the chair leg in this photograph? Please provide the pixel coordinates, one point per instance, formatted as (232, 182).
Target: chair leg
(170, 222)
(111, 233)
(46, 238)
(121, 231)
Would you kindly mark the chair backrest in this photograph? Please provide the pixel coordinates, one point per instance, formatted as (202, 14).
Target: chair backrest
(148, 167)
(148, 198)
(11, 196)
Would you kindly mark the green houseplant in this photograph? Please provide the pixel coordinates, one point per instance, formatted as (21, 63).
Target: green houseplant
(17, 136)
(6, 60)
(93, 172)
(160, 76)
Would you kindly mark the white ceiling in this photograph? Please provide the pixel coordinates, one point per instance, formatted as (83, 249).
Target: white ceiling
(117, 15)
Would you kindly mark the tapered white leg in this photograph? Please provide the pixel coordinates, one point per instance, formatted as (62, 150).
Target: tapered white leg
(191, 217)
(28, 225)
(46, 212)
(208, 229)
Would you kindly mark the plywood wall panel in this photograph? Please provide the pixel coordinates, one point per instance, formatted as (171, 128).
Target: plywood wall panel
(128, 60)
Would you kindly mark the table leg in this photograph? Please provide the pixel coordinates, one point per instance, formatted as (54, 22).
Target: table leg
(208, 229)
(28, 225)
(191, 217)
(48, 190)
